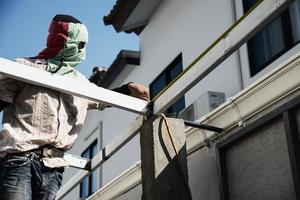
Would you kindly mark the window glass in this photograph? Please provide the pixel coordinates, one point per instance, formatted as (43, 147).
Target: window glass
(180, 104)
(94, 175)
(176, 70)
(275, 39)
(158, 85)
(166, 77)
(84, 187)
(265, 45)
(89, 184)
(295, 20)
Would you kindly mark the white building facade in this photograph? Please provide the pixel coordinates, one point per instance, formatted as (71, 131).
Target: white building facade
(172, 34)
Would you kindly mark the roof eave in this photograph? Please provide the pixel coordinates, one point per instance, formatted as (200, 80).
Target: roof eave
(124, 58)
(120, 13)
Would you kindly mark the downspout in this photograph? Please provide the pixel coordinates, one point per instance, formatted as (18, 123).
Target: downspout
(235, 18)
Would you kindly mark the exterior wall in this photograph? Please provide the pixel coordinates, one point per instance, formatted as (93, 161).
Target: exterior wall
(243, 55)
(91, 131)
(189, 27)
(111, 121)
(158, 49)
(257, 161)
(135, 193)
(267, 144)
(177, 26)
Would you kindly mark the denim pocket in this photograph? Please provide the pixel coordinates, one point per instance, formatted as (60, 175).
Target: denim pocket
(59, 177)
(15, 161)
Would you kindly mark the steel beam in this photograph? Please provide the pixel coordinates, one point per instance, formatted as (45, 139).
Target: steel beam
(71, 86)
(76, 161)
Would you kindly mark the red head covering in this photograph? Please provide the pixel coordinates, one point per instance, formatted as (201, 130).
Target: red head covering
(58, 34)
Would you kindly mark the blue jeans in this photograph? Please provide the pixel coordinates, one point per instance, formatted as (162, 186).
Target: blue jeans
(26, 178)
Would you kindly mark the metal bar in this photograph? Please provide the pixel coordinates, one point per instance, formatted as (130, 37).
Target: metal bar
(122, 139)
(72, 183)
(203, 126)
(79, 176)
(230, 41)
(102, 156)
(71, 86)
(77, 162)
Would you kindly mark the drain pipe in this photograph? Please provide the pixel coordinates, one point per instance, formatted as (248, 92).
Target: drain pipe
(240, 72)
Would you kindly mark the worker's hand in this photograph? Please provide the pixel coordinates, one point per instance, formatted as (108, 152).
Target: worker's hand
(98, 75)
(139, 91)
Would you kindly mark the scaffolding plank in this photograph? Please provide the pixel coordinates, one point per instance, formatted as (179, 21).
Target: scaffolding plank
(71, 86)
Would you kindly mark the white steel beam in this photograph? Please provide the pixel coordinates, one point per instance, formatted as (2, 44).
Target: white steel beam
(231, 40)
(71, 86)
(76, 161)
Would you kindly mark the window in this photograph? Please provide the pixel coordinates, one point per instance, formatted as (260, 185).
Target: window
(89, 184)
(169, 74)
(276, 38)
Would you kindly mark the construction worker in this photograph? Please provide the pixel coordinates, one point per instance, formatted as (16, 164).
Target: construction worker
(39, 124)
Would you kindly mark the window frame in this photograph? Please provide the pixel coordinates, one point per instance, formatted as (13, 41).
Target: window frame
(287, 39)
(247, 79)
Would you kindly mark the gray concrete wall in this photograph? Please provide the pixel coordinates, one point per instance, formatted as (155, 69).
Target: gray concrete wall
(257, 164)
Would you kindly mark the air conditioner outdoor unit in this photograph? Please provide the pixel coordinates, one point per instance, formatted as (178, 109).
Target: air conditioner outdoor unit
(203, 105)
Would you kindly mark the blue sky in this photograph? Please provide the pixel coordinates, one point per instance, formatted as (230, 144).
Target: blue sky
(24, 27)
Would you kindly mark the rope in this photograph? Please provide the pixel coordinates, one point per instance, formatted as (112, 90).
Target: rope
(186, 183)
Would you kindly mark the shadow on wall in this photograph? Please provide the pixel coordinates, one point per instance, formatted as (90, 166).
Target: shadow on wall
(164, 172)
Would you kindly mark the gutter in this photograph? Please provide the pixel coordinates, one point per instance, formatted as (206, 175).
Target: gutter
(121, 184)
(269, 89)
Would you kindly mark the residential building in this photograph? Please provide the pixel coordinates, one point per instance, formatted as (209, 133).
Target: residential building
(172, 33)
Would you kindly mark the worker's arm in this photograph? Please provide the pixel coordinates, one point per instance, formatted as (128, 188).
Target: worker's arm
(133, 89)
(3, 105)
